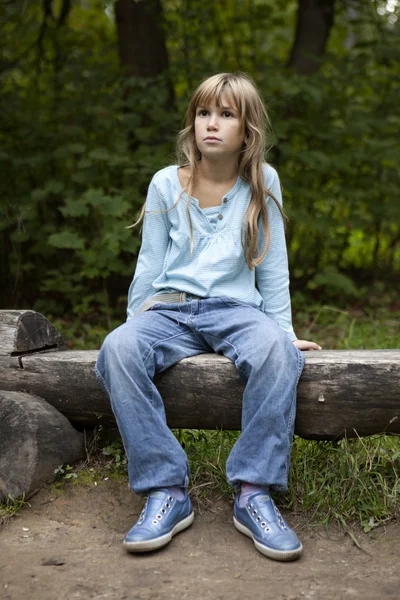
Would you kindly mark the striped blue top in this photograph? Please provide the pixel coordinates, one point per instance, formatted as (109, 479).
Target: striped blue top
(217, 266)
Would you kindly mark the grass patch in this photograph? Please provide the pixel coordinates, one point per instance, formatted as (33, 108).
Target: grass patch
(351, 480)
(207, 452)
(10, 508)
(348, 481)
(105, 459)
(352, 329)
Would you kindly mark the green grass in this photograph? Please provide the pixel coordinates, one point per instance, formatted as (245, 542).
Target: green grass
(10, 508)
(355, 328)
(346, 481)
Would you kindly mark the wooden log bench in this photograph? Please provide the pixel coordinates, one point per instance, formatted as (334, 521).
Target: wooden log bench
(341, 392)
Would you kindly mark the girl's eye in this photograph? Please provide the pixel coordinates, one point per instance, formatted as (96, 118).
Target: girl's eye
(204, 112)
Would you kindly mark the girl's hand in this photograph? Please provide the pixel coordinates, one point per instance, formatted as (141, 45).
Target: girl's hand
(304, 345)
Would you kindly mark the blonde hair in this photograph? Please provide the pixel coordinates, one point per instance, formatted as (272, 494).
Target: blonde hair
(242, 93)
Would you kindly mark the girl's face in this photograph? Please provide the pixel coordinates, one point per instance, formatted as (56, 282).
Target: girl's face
(218, 130)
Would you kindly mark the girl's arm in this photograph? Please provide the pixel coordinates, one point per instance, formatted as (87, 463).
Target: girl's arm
(272, 275)
(150, 262)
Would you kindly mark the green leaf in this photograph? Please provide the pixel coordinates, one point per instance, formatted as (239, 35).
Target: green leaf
(66, 239)
(75, 207)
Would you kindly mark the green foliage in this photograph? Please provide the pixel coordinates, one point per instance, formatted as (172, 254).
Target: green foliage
(116, 452)
(65, 472)
(207, 452)
(80, 143)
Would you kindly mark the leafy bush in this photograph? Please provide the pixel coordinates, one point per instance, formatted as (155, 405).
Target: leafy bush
(80, 143)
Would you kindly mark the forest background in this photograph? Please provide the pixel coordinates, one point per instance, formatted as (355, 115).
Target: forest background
(93, 93)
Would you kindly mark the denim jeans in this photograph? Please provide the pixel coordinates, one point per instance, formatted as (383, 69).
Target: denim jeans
(267, 361)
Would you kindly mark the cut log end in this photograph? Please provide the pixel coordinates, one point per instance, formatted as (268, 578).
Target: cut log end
(25, 331)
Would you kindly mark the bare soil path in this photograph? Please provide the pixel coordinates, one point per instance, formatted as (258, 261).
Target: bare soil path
(69, 546)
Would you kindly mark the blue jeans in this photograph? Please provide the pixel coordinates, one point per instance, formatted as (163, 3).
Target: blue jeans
(267, 361)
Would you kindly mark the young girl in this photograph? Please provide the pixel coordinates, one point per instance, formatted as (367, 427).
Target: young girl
(211, 275)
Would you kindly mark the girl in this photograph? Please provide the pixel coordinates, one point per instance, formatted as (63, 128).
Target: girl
(211, 275)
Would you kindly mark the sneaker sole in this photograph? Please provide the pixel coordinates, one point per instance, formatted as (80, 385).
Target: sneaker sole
(162, 540)
(284, 555)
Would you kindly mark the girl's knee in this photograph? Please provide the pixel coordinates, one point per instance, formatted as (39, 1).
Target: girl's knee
(269, 346)
(122, 341)
(268, 337)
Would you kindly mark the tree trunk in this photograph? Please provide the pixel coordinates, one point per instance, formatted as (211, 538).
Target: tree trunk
(143, 54)
(340, 393)
(141, 41)
(314, 22)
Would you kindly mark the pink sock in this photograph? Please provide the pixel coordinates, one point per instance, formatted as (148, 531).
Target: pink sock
(176, 492)
(247, 489)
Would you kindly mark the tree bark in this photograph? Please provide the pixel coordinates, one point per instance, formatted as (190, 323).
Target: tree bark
(143, 54)
(340, 393)
(141, 41)
(314, 22)
(34, 440)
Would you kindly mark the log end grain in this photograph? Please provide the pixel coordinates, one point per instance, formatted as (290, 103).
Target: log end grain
(26, 331)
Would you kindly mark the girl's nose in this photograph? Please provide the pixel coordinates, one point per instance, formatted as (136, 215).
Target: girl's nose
(212, 122)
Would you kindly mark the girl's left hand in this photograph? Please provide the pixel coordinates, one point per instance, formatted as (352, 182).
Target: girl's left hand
(304, 345)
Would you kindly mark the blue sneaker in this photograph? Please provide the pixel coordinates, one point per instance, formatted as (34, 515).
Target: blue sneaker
(260, 520)
(162, 517)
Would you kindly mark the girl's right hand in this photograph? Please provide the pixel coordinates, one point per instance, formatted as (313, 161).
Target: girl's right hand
(305, 345)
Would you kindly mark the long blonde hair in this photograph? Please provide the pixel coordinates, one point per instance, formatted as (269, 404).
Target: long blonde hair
(242, 92)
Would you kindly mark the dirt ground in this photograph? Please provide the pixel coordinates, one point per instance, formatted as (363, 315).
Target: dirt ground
(69, 546)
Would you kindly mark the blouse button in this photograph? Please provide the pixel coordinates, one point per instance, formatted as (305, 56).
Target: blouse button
(225, 200)
(220, 216)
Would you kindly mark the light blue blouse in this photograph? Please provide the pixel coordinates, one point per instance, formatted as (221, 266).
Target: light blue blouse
(217, 266)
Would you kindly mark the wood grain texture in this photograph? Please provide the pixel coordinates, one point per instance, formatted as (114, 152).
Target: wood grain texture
(24, 331)
(340, 393)
(34, 439)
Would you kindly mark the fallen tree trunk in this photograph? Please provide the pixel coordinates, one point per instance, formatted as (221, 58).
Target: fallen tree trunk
(341, 393)
(34, 439)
